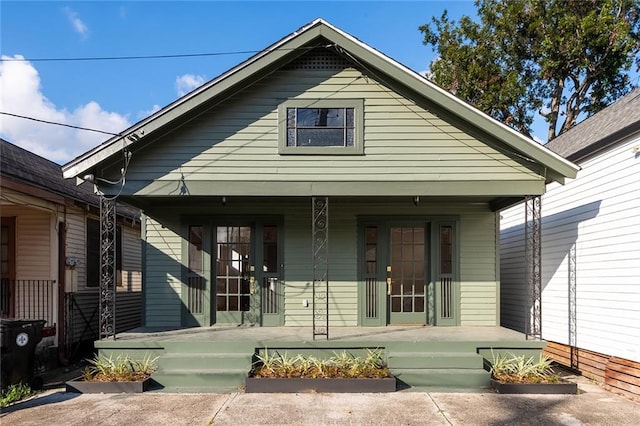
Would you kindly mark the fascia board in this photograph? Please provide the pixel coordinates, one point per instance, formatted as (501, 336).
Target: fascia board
(145, 128)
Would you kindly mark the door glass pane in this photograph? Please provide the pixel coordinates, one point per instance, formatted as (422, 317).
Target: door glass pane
(270, 247)
(371, 274)
(233, 251)
(195, 248)
(408, 276)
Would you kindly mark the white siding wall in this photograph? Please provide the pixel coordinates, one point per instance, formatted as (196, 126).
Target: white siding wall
(597, 213)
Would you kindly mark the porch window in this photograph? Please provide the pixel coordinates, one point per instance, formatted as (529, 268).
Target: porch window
(93, 253)
(321, 127)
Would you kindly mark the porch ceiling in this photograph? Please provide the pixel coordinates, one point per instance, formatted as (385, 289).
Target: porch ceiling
(187, 202)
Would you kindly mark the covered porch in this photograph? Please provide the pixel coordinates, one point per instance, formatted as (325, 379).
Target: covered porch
(218, 358)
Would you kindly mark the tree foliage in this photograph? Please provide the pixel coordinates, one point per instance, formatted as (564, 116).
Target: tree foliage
(563, 58)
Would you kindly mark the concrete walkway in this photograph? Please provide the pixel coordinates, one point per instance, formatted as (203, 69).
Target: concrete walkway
(593, 406)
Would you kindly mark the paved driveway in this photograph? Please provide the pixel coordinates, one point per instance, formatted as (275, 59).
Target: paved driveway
(593, 406)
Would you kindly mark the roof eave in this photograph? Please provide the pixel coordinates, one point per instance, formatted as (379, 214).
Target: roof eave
(174, 110)
(558, 167)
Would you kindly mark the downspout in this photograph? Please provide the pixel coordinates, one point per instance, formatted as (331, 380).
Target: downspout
(62, 256)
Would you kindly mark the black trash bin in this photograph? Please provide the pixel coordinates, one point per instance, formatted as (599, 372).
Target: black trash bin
(18, 341)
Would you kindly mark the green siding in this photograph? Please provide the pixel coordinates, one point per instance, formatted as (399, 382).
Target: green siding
(477, 255)
(163, 273)
(238, 142)
(478, 269)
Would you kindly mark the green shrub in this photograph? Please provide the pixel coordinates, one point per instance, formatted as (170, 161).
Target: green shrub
(15, 393)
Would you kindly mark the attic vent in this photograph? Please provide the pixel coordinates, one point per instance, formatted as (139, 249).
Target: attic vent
(319, 59)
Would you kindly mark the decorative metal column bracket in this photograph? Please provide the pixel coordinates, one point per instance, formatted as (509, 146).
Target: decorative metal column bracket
(573, 319)
(533, 265)
(320, 262)
(107, 312)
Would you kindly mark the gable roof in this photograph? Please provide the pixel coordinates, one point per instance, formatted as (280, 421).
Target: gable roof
(608, 126)
(287, 49)
(23, 166)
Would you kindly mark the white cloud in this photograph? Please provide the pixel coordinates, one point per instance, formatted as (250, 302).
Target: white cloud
(187, 82)
(146, 113)
(76, 22)
(21, 93)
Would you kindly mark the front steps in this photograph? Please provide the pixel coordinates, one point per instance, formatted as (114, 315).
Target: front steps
(439, 369)
(223, 367)
(203, 367)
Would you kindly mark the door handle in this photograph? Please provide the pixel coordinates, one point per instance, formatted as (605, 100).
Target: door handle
(252, 285)
(388, 286)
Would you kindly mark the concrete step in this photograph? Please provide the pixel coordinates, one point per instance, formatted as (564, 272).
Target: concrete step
(208, 347)
(197, 380)
(442, 378)
(430, 360)
(205, 361)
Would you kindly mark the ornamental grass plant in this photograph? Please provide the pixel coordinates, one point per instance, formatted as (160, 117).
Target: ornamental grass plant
(119, 369)
(510, 368)
(340, 365)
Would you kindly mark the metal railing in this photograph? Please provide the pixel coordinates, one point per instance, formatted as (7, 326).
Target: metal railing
(28, 299)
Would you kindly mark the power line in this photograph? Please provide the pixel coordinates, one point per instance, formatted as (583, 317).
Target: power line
(59, 124)
(126, 58)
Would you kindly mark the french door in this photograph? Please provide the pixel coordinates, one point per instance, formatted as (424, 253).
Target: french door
(243, 263)
(408, 273)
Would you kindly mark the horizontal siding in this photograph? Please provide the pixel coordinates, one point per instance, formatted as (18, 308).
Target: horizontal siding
(597, 215)
(478, 286)
(343, 288)
(239, 140)
(76, 247)
(478, 281)
(163, 273)
(131, 259)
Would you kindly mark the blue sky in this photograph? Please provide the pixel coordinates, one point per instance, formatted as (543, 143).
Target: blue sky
(111, 95)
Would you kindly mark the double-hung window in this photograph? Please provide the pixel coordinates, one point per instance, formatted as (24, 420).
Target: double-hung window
(329, 126)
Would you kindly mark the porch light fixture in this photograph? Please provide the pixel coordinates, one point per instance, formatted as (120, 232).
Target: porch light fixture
(224, 200)
(416, 200)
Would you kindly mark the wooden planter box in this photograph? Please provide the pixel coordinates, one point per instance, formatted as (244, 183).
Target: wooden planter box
(539, 388)
(338, 385)
(81, 386)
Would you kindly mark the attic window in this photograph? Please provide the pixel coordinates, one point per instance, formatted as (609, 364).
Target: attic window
(321, 127)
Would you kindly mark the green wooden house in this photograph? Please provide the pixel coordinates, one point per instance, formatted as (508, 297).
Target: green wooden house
(320, 184)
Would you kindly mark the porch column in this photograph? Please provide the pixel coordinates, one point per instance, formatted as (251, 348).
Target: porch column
(107, 312)
(573, 326)
(320, 263)
(533, 265)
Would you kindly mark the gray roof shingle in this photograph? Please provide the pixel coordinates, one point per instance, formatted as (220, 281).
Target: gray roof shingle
(607, 126)
(24, 166)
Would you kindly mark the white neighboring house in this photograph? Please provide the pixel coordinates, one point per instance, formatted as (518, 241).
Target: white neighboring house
(590, 252)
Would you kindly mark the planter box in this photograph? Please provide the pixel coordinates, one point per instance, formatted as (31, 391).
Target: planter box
(540, 388)
(81, 386)
(296, 385)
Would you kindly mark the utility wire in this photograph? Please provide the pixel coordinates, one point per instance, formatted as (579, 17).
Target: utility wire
(126, 58)
(59, 124)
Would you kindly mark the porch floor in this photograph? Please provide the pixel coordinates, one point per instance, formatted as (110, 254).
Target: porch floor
(263, 336)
